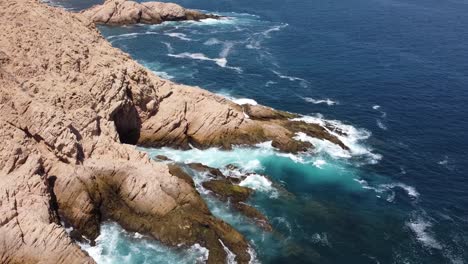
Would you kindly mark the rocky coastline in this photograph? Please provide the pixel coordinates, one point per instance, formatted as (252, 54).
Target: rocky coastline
(72, 110)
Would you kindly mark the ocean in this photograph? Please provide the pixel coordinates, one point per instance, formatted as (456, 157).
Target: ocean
(392, 73)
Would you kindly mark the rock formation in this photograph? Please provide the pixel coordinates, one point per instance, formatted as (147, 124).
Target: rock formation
(71, 108)
(124, 12)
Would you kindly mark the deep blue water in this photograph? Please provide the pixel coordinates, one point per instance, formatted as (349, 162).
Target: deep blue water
(397, 69)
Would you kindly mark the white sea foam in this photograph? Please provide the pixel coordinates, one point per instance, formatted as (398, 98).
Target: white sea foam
(115, 245)
(200, 56)
(381, 125)
(180, 36)
(253, 256)
(227, 46)
(376, 107)
(231, 257)
(319, 163)
(129, 35)
(256, 39)
(444, 161)
(420, 227)
(245, 101)
(169, 47)
(410, 190)
(320, 238)
(291, 78)
(327, 101)
(212, 41)
(222, 62)
(257, 182)
(349, 135)
(163, 74)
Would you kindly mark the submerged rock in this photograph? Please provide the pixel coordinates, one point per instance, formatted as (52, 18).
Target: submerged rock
(203, 168)
(225, 190)
(125, 12)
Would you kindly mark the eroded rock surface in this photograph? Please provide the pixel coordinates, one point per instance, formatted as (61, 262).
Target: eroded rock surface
(68, 102)
(124, 12)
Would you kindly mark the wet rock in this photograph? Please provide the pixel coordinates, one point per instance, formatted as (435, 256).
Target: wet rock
(315, 130)
(203, 168)
(163, 158)
(260, 112)
(254, 214)
(225, 190)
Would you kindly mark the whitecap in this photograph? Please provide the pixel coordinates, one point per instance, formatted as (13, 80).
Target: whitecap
(180, 36)
(376, 107)
(420, 227)
(257, 182)
(327, 101)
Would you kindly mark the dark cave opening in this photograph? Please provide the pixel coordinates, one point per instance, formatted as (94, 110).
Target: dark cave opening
(128, 124)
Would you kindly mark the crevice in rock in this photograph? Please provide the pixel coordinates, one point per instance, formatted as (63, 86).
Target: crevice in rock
(128, 124)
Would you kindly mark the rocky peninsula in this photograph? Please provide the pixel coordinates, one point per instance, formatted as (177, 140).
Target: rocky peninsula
(73, 107)
(124, 12)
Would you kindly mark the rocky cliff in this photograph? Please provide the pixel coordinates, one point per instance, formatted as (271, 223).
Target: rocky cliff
(72, 107)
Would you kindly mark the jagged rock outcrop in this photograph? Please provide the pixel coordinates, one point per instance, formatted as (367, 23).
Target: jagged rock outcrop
(124, 12)
(68, 102)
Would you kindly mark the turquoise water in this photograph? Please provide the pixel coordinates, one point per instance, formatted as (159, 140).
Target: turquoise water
(394, 72)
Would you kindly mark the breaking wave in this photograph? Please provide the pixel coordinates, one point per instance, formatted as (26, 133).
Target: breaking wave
(115, 245)
(180, 36)
(352, 137)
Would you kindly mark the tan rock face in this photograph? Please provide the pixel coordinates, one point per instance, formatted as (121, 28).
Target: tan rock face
(124, 12)
(68, 100)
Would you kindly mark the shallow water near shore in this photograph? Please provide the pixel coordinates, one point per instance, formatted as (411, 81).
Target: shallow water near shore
(393, 72)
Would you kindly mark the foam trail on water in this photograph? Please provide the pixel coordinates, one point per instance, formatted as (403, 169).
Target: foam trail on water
(291, 78)
(381, 125)
(222, 62)
(199, 56)
(169, 47)
(129, 36)
(327, 101)
(255, 41)
(180, 36)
